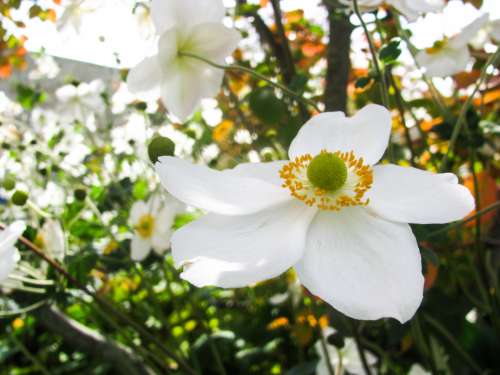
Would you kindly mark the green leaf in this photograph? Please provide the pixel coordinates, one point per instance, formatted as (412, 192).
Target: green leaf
(140, 189)
(390, 52)
(80, 265)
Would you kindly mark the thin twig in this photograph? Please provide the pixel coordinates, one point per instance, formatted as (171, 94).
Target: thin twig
(461, 118)
(241, 68)
(477, 215)
(376, 64)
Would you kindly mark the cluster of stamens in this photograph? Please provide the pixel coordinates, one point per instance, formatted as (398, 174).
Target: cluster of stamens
(359, 180)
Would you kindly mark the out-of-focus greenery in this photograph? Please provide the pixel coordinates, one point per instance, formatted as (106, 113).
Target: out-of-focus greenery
(86, 167)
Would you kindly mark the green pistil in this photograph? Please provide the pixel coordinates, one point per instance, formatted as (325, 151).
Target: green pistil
(327, 171)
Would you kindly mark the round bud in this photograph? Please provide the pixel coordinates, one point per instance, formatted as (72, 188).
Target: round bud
(160, 146)
(80, 195)
(327, 171)
(9, 182)
(19, 198)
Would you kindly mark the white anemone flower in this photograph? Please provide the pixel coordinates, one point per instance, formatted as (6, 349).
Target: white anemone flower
(411, 9)
(74, 12)
(346, 358)
(81, 101)
(329, 212)
(9, 255)
(185, 26)
(52, 240)
(152, 223)
(451, 55)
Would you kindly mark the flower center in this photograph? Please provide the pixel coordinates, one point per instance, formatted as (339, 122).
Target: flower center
(145, 226)
(438, 45)
(329, 181)
(327, 171)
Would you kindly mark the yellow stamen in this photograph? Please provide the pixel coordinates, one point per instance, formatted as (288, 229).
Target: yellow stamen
(360, 180)
(145, 226)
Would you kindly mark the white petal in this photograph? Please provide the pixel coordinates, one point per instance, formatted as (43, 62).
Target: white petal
(366, 267)
(366, 133)
(185, 13)
(213, 41)
(186, 83)
(411, 9)
(411, 195)
(139, 248)
(495, 30)
(468, 32)
(352, 360)
(363, 5)
(444, 63)
(268, 172)
(9, 258)
(160, 242)
(145, 77)
(416, 369)
(10, 235)
(236, 251)
(138, 210)
(222, 192)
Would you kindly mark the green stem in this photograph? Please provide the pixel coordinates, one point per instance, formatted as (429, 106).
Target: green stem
(422, 344)
(444, 332)
(324, 347)
(28, 354)
(461, 118)
(376, 64)
(477, 215)
(360, 346)
(24, 310)
(256, 75)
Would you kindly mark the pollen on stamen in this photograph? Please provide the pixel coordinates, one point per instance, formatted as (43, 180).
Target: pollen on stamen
(360, 180)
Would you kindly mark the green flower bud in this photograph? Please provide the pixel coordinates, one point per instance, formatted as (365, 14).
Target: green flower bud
(9, 182)
(327, 171)
(80, 195)
(19, 198)
(160, 146)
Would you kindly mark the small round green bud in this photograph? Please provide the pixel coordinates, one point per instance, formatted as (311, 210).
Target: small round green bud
(327, 171)
(19, 198)
(160, 146)
(9, 182)
(80, 195)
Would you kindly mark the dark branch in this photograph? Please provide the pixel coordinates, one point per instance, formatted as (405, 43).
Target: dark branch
(338, 58)
(91, 342)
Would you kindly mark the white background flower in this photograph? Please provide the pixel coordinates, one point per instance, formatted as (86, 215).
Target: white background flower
(52, 239)
(411, 9)
(185, 26)
(81, 101)
(451, 55)
(362, 259)
(416, 369)
(9, 256)
(347, 356)
(152, 223)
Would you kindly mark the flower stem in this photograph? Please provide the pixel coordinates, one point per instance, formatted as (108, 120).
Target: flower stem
(256, 75)
(383, 85)
(360, 346)
(324, 348)
(448, 336)
(477, 215)
(461, 118)
(28, 354)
